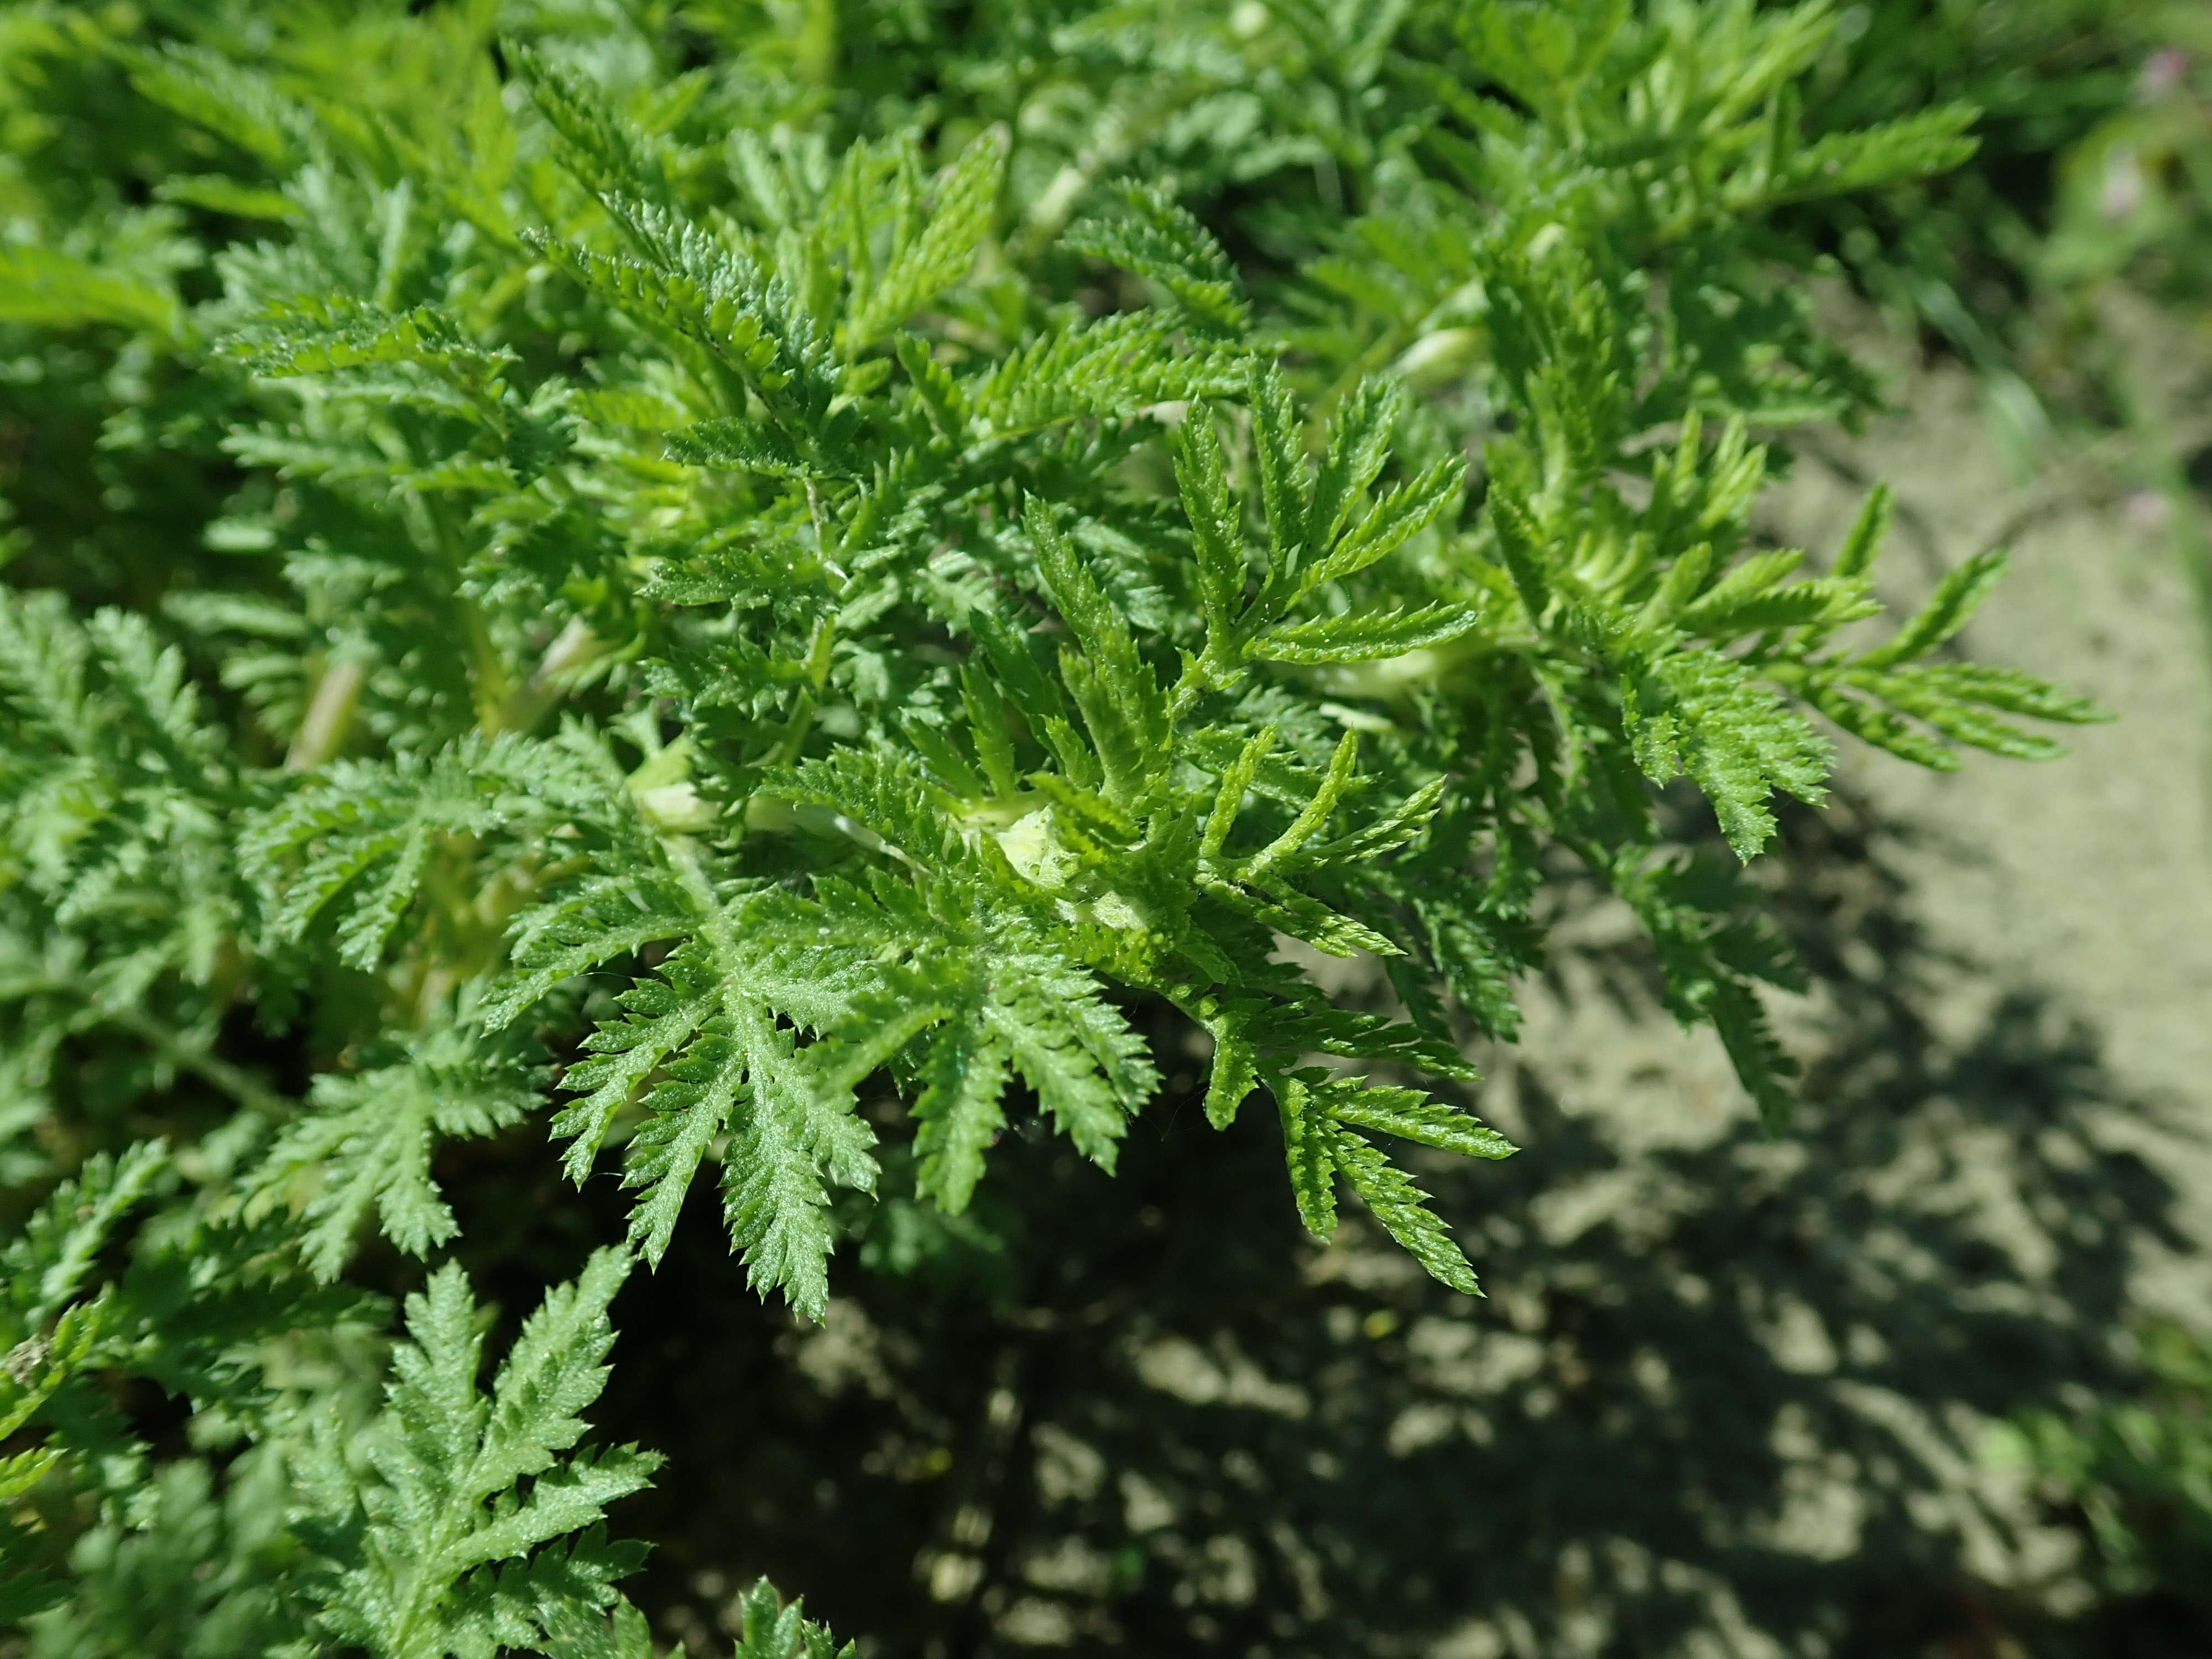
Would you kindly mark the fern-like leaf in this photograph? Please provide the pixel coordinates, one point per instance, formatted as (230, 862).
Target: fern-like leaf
(439, 1496)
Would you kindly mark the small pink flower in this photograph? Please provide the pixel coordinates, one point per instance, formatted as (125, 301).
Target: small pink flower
(2162, 71)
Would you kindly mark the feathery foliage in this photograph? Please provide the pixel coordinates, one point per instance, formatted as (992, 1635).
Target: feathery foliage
(732, 615)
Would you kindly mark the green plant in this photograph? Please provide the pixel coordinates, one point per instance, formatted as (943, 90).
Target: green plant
(779, 616)
(2091, 185)
(1957, 256)
(2139, 1469)
(2135, 192)
(2135, 214)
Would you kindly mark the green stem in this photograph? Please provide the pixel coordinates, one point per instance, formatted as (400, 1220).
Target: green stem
(574, 647)
(329, 713)
(241, 1086)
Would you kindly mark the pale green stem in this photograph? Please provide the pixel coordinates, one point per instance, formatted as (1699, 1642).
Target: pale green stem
(329, 713)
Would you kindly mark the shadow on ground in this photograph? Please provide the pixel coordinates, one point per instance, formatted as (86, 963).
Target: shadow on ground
(1727, 1395)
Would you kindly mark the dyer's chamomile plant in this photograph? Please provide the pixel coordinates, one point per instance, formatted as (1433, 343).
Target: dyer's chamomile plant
(748, 600)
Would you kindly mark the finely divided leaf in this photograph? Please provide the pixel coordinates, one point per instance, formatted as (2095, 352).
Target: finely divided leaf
(367, 1144)
(1413, 1115)
(1957, 597)
(942, 253)
(1155, 237)
(1364, 636)
(1403, 1208)
(437, 1498)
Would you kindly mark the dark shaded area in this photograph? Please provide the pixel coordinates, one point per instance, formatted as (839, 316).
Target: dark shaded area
(1713, 1386)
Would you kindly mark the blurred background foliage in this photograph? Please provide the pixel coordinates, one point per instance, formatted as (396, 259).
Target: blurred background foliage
(1174, 1444)
(2090, 195)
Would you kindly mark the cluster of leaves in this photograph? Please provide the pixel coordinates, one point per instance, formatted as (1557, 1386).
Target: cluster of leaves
(784, 610)
(1956, 258)
(2092, 168)
(452, 1519)
(2133, 207)
(2135, 192)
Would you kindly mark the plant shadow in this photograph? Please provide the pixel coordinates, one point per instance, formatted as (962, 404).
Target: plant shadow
(1728, 1395)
